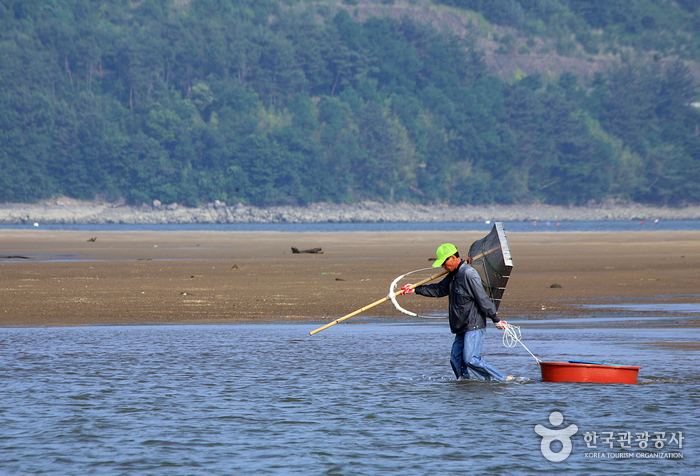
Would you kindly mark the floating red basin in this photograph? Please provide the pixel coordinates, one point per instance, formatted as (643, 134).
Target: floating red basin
(588, 372)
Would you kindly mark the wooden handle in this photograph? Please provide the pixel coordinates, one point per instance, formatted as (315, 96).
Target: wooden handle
(420, 283)
(485, 253)
(375, 303)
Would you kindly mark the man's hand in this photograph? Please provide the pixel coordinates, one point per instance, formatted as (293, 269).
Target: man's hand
(501, 325)
(406, 289)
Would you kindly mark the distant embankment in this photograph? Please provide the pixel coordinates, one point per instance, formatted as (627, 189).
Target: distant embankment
(67, 211)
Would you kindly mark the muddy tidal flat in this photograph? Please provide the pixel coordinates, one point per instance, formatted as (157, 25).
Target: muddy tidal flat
(69, 278)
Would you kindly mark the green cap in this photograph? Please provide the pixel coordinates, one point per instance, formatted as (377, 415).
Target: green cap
(443, 252)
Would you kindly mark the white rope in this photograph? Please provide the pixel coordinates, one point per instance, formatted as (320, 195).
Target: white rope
(392, 296)
(511, 337)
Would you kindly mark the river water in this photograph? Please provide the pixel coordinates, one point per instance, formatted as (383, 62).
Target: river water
(364, 397)
(514, 226)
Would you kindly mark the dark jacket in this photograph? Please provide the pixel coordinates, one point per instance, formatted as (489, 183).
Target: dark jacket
(469, 303)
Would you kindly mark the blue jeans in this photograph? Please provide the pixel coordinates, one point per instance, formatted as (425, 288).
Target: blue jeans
(466, 356)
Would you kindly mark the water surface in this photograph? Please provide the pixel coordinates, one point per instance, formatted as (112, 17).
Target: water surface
(515, 226)
(363, 397)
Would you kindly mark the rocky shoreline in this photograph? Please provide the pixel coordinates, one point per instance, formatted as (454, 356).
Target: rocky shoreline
(69, 211)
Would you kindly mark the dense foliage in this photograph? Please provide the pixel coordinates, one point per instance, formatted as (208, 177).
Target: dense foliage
(664, 27)
(253, 101)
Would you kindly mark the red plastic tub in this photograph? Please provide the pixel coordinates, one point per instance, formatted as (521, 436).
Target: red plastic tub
(588, 372)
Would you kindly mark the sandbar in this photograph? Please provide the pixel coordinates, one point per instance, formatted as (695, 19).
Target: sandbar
(78, 278)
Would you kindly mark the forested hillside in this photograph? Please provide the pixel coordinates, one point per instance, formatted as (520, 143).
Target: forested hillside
(267, 102)
(663, 27)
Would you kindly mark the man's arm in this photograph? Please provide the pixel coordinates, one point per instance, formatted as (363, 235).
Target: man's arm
(440, 289)
(482, 300)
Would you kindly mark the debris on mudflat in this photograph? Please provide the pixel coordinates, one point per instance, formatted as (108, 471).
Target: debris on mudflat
(310, 250)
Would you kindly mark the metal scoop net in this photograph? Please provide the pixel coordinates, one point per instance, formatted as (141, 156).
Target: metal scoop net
(490, 256)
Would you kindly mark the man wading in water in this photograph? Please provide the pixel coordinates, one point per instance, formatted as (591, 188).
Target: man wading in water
(469, 308)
